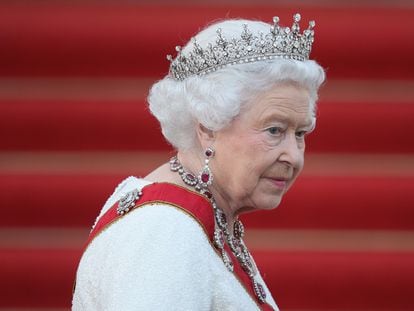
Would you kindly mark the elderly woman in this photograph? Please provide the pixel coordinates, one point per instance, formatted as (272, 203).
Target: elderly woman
(237, 105)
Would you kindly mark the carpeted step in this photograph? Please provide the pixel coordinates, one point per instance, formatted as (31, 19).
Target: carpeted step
(324, 202)
(128, 125)
(298, 280)
(343, 202)
(68, 125)
(256, 238)
(37, 277)
(107, 89)
(132, 40)
(141, 163)
(337, 280)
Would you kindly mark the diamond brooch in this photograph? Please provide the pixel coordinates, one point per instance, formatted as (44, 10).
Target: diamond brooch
(128, 201)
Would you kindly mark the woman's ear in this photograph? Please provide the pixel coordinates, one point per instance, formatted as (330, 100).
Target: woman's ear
(205, 136)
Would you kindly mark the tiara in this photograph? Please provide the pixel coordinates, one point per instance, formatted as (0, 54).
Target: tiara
(280, 42)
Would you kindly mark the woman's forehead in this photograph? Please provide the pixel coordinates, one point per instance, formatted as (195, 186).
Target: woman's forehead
(283, 99)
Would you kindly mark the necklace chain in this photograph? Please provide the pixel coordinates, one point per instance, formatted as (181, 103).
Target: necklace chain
(222, 235)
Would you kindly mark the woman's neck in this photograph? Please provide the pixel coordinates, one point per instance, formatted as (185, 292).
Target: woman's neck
(194, 163)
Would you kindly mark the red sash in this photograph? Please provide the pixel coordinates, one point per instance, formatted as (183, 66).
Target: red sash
(192, 203)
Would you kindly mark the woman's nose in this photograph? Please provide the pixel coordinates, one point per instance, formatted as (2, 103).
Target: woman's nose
(292, 151)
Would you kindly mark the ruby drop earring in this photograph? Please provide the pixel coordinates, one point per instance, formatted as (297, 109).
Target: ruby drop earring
(205, 177)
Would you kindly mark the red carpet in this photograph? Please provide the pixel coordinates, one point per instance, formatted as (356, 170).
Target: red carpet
(97, 125)
(113, 39)
(359, 188)
(315, 277)
(37, 278)
(314, 202)
(79, 126)
(347, 281)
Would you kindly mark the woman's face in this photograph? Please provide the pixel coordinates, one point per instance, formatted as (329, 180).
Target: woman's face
(261, 153)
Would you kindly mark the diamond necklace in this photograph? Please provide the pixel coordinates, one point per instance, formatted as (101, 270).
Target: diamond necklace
(222, 235)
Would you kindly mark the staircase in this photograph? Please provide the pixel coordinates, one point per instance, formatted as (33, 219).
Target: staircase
(74, 123)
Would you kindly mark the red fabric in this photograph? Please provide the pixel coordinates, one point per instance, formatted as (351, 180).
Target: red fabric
(194, 204)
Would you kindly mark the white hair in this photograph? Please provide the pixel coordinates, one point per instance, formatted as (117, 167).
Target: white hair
(215, 99)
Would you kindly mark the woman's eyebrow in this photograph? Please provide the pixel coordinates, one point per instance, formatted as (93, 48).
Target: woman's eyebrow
(308, 124)
(279, 117)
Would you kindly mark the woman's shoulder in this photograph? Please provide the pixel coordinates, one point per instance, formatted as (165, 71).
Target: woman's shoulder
(128, 184)
(160, 217)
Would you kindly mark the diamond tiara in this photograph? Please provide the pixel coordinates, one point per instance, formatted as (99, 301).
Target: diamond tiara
(280, 42)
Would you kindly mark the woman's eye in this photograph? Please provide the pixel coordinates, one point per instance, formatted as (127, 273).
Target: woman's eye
(301, 134)
(274, 130)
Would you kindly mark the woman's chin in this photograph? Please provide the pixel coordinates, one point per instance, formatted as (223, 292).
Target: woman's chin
(273, 205)
(270, 201)
(264, 206)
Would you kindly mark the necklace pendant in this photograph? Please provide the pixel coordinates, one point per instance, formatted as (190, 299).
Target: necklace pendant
(205, 178)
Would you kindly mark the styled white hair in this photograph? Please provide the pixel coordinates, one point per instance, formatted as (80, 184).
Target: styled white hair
(215, 99)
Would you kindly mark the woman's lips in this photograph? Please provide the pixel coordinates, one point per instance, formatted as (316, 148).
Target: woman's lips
(279, 183)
